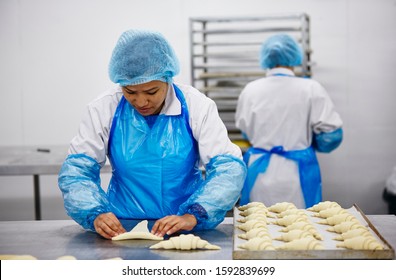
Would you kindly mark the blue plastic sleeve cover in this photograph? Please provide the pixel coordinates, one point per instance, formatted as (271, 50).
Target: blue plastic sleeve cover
(326, 142)
(218, 193)
(79, 181)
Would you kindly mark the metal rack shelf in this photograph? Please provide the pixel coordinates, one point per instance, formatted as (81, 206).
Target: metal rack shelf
(225, 55)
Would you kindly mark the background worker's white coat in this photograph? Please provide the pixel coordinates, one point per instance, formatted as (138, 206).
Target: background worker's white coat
(283, 110)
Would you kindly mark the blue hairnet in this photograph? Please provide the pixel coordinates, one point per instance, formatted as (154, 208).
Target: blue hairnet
(280, 50)
(141, 56)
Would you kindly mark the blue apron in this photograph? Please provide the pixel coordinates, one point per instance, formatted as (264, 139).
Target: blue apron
(308, 168)
(154, 162)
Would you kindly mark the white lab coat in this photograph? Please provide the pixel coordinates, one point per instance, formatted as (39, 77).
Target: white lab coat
(207, 127)
(283, 110)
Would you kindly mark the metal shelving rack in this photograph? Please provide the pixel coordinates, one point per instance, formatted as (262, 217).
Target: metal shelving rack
(225, 56)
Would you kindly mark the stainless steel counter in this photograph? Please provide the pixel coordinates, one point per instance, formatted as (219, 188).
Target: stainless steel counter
(34, 161)
(52, 239)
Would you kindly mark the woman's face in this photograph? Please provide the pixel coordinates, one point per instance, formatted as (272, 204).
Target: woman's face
(148, 99)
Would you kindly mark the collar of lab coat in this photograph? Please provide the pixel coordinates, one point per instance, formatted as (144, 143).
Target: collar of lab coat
(280, 70)
(172, 106)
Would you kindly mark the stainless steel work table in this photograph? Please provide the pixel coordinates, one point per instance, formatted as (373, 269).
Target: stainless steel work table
(34, 161)
(52, 239)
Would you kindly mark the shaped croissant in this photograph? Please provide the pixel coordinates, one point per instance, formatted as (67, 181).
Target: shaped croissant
(323, 205)
(252, 204)
(281, 206)
(255, 216)
(292, 212)
(303, 225)
(361, 243)
(255, 210)
(306, 243)
(255, 232)
(293, 235)
(337, 219)
(257, 244)
(326, 213)
(290, 219)
(185, 242)
(252, 224)
(353, 233)
(345, 226)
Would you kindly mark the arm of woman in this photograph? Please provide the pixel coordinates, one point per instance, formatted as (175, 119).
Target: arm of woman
(225, 171)
(79, 177)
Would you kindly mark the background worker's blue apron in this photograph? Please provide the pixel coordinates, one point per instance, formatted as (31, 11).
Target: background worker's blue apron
(308, 167)
(154, 162)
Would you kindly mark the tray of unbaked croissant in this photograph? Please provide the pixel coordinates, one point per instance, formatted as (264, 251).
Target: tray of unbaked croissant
(323, 231)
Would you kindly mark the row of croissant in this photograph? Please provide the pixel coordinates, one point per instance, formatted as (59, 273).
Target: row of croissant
(298, 231)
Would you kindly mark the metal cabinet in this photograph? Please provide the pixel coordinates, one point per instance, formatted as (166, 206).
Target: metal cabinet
(225, 56)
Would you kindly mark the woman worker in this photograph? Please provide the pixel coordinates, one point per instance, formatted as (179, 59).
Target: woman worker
(155, 134)
(286, 119)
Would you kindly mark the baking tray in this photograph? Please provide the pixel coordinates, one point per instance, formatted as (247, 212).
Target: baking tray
(330, 251)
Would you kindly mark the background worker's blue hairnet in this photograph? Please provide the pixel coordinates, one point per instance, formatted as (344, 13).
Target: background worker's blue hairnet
(141, 56)
(280, 50)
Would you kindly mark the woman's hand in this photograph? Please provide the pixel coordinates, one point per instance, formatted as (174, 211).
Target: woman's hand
(108, 226)
(171, 224)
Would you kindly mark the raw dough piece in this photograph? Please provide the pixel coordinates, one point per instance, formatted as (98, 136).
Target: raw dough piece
(292, 212)
(337, 219)
(293, 235)
(304, 225)
(255, 232)
(17, 257)
(254, 216)
(67, 257)
(326, 213)
(140, 231)
(185, 242)
(353, 233)
(307, 243)
(281, 206)
(361, 243)
(252, 204)
(252, 224)
(255, 210)
(323, 205)
(257, 244)
(290, 219)
(345, 226)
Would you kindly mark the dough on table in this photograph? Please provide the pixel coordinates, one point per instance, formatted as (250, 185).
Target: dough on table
(251, 204)
(255, 232)
(361, 243)
(293, 235)
(292, 211)
(290, 219)
(252, 224)
(255, 210)
(17, 257)
(346, 226)
(67, 257)
(258, 244)
(185, 242)
(254, 216)
(281, 207)
(353, 233)
(306, 243)
(329, 212)
(140, 231)
(337, 219)
(323, 205)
